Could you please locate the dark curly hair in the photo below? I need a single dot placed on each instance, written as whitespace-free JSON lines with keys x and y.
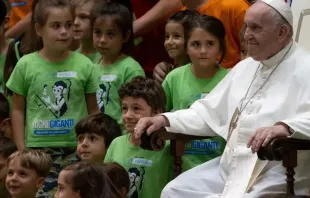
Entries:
{"x":100,"y":124}
{"x":146,"y":88}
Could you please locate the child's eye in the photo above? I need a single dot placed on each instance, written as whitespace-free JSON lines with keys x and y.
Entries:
{"x":137,"y":108}
{"x":111,"y":34}
{"x":167,"y":37}
{"x":195,"y":44}
{"x":68,"y":25}
{"x":97,"y":32}
{"x":22,"y":173}
{"x":177,"y":36}
{"x":10,"y":172}
{"x":80,"y":138}
{"x":124,"y":108}
{"x":210,"y":43}
{"x":56,"y":25}
{"x":92,"y":138}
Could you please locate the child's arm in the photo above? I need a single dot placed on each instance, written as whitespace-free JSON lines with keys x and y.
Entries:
{"x":160,"y":12}
{"x":18,"y":120}
{"x":19,"y":27}
{"x":91,"y":103}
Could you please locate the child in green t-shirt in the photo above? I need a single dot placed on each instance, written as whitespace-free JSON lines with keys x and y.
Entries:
{"x":174,"y":43}
{"x":94,"y":134}
{"x":205,"y":43}
{"x":4,"y":42}
{"x":53,"y":88}
{"x":6,"y":149}
{"x":26,"y":172}
{"x":83,"y":29}
{"x":113,"y":38}
{"x":149,"y":171}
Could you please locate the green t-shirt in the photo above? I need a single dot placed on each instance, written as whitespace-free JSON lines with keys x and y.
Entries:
{"x":182,"y":89}
{"x":55,"y":97}
{"x":94,"y":57}
{"x":2,"y":61}
{"x":112,"y":77}
{"x":149,"y":171}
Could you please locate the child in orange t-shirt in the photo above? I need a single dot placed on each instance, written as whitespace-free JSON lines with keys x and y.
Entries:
{"x":231,"y":13}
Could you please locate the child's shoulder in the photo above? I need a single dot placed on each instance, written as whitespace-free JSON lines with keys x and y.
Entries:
{"x":29,"y":57}
{"x":119,"y":140}
{"x":80,"y":58}
{"x":178,"y":71}
{"x":128,"y":61}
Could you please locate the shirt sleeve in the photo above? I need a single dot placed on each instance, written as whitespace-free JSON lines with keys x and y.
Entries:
{"x":133,"y":74}
{"x":17,"y":82}
{"x":92,"y":82}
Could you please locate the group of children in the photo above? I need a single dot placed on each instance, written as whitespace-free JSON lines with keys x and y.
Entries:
{"x":83,"y":105}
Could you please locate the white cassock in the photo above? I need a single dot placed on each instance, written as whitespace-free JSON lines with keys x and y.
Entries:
{"x":239,"y":173}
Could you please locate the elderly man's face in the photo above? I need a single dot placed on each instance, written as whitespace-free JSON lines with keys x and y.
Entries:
{"x":262,"y":34}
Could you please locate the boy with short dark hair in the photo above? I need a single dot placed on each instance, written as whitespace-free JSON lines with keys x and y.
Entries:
{"x":6,"y":149}
{"x":95,"y":133}
{"x":148,"y":171}
{"x":26,"y":173}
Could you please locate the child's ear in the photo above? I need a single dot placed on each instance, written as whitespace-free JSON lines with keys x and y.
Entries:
{"x":38,"y":29}
{"x":5,"y":126}
{"x":40,"y":182}
{"x":6,"y":23}
{"x":127,"y":36}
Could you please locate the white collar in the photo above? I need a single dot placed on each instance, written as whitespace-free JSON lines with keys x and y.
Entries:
{"x":279,"y":57}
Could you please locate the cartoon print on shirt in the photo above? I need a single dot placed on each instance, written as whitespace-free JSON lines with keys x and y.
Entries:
{"x":103,"y":93}
{"x":135,"y":176}
{"x":59,"y":89}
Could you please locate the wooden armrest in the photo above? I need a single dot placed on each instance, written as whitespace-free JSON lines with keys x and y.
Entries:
{"x":285,"y":150}
{"x":156,"y":141}
{"x":278,"y":147}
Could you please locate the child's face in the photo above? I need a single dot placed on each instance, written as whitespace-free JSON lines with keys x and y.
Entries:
{"x":203,"y":48}
{"x":82,"y":24}
{"x":107,"y":37}
{"x":57,"y":33}
{"x":132,"y":110}
{"x":91,"y":147}
{"x":64,"y":189}
{"x":22,"y":182}
{"x":174,"y":40}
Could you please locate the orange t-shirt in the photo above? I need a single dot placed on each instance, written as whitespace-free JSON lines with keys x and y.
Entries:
{"x":20,"y":8}
{"x":231,"y":13}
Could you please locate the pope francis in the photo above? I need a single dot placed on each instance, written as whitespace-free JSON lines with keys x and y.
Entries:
{"x":263,"y":97}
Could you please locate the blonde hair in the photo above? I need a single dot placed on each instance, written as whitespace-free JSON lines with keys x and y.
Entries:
{"x":33,"y":159}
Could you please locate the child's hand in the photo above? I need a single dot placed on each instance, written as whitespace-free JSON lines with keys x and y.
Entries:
{"x":160,"y":71}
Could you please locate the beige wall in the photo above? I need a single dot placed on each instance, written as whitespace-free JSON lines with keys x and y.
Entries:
{"x":297,"y":7}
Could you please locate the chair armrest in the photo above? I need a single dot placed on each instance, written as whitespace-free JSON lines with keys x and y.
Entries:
{"x":156,"y":141}
{"x":278,"y":147}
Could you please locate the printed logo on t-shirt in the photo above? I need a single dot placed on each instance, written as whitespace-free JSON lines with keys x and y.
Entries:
{"x":194,"y":98}
{"x":54,"y":97}
{"x":104,"y":92}
{"x":136,"y":177}
{"x":201,"y":147}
